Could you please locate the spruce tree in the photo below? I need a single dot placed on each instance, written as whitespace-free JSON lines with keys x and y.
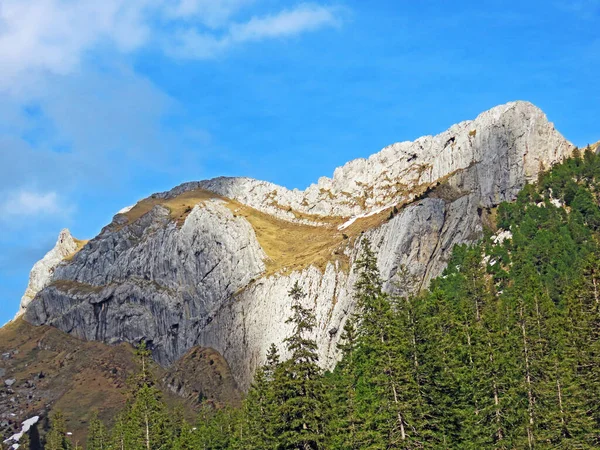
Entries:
{"x":187,"y":439}
{"x":344,"y":419}
{"x":119,"y":433}
{"x":386,"y":388}
{"x":298,"y":384}
{"x":97,"y":438}
{"x":145,"y":422}
{"x":260,"y":407}
{"x":56,"y":439}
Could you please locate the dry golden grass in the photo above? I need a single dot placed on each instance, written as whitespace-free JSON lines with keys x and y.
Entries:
{"x":289,"y":246}
{"x":80,"y":244}
{"x":292,"y":246}
{"x":179,"y":206}
{"x":70,"y":286}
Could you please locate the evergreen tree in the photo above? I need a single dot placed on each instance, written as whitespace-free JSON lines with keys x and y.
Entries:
{"x":56,"y":439}
{"x":260,"y":406}
{"x":298,"y":384}
{"x":187,"y":438}
{"x":342,"y":383}
{"x":118,"y":437}
{"x":218,"y":429}
{"x":386,"y":388}
{"x":146,"y":423}
{"x":97,"y":438}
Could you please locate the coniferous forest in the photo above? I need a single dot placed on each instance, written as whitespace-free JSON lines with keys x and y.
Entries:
{"x":501,"y":352}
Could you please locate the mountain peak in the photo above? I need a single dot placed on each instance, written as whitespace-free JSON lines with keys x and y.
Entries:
{"x":210,"y":263}
{"x":42,"y":271}
{"x":402,"y":171}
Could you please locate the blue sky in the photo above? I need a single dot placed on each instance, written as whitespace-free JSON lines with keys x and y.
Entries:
{"x":104,"y":103}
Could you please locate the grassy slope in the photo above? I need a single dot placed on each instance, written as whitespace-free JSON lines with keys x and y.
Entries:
{"x":80,"y":377}
{"x":288,"y":245}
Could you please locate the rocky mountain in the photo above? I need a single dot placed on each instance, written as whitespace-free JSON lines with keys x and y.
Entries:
{"x":41,"y":273}
{"x":210,"y":263}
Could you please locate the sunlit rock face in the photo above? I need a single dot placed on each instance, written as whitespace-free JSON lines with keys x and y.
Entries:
{"x":41,"y":273}
{"x":204,"y":278}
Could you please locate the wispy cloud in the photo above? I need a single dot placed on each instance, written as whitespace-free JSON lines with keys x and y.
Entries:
{"x":74,"y":111}
{"x":304,"y":18}
{"x":53,"y":36}
{"x":81,"y":123}
{"x":193,"y":43}
{"x":33,"y":204}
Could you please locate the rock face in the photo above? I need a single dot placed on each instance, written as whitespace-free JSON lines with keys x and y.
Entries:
{"x":42,"y":271}
{"x":205,"y":276}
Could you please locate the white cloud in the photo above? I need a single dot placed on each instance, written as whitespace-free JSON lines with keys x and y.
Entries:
{"x":304,"y":18}
{"x":53,"y":36}
{"x":26,"y":203}
{"x":194,"y":44}
{"x":73,"y":112}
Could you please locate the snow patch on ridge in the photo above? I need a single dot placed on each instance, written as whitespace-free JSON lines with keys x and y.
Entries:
{"x":353,"y":219}
{"x":126,"y":209}
{"x":25,"y":426}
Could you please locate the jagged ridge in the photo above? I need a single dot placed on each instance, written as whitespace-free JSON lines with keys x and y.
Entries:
{"x":180,"y":276}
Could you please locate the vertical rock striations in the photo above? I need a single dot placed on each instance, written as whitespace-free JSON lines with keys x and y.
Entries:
{"x":192,"y":266}
{"x":42,"y":271}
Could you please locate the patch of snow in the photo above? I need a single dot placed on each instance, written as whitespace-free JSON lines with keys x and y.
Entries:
{"x":556,"y":202}
{"x":362,"y":216}
{"x":126,"y":209}
{"x":25,"y":426}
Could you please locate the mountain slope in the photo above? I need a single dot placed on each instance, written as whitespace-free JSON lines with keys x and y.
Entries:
{"x":502,"y":351}
{"x":52,"y":370}
{"x":210,"y":263}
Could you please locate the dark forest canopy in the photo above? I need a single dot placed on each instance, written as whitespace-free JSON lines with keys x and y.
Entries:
{"x":502,"y":351}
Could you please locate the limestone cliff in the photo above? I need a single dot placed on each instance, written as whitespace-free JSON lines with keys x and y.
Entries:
{"x":42,"y":271}
{"x":210,"y":263}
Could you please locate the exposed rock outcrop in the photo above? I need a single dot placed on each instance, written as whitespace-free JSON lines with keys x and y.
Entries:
{"x":42,"y":271}
{"x":202,"y":274}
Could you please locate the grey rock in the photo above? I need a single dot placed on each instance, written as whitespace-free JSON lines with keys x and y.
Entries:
{"x":204,"y":283}
{"x":152,"y":280}
{"x":42,"y":271}
{"x":9,"y":382}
